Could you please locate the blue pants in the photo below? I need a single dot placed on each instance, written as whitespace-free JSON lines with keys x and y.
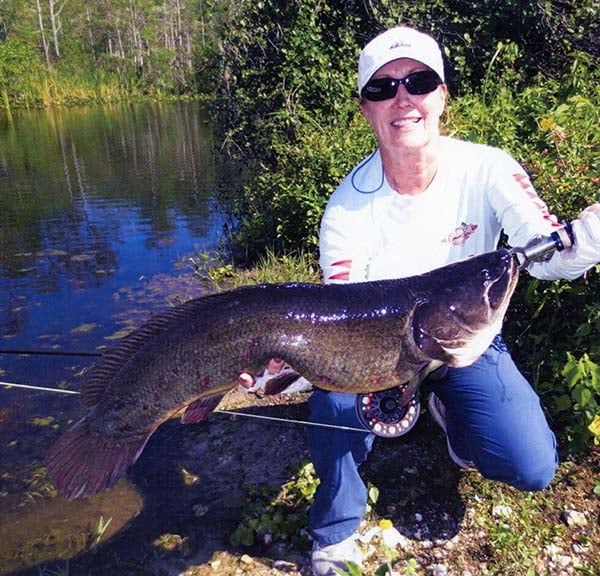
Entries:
{"x":493,"y":418}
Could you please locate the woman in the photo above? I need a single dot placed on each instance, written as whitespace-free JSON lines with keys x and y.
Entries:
{"x":419,"y":202}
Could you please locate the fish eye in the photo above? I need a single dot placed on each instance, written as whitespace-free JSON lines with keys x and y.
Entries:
{"x":485,"y":275}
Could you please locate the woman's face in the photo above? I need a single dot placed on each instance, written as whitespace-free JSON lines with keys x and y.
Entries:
{"x":406,"y":121}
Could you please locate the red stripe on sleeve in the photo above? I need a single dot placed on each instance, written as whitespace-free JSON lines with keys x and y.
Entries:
{"x":345,"y":263}
{"x":340,"y":276}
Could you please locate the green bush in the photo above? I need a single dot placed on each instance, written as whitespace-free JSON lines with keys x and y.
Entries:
{"x":16,"y":60}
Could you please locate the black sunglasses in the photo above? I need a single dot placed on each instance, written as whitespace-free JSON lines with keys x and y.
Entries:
{"x":421,"y":82}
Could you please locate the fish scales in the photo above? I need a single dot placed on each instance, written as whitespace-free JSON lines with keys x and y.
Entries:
{"x":178,"y":364}
{"x":348,"y":338}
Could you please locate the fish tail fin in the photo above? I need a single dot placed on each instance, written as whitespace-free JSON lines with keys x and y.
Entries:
{"x":81,"y":463}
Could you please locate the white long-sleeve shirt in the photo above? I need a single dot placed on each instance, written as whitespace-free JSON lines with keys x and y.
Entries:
{"x":370,"y":232}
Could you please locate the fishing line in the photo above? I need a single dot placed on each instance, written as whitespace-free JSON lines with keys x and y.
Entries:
{"x":286,"y":420}
{"x":47,"y":352}
{"x":230,"y":412}
{"x":60,"y":390}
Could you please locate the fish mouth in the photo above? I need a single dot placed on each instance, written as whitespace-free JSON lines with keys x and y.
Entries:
{"x":489,"y":294}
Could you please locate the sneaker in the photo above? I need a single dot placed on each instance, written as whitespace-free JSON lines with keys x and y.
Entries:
{"x":438,"y":411}
{"x":331,"y":560}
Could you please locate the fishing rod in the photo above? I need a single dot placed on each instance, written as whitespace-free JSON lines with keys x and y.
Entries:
{"x":228,"y":412}
{"x":43,"y":388}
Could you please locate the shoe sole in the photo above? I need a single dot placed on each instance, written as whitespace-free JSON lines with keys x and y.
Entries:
{"x":440,"y":420}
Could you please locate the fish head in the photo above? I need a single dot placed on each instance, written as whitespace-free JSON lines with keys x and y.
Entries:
{"x":458,"y":319}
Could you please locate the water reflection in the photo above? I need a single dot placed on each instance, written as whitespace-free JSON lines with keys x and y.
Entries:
{"x":99,"y":207}
{"x":94,"y":199}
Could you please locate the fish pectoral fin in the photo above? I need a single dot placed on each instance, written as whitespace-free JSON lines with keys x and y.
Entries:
{"x":199,"y":409}
{"x":281,"y":382}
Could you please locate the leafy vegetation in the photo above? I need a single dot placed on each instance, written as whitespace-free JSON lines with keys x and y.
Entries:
{"x":290,"y":107}
{"x":273,"y":514}
{"x":72,"y":52}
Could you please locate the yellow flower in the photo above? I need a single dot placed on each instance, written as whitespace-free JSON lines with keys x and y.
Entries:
{"x":594,"y":427}
{"x":385,"y":524}
{"x":547,"y":124}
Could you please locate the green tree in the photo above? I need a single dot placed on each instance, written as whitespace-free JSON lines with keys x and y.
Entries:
{"x":146,"y":47}
{"x":16,"y":57}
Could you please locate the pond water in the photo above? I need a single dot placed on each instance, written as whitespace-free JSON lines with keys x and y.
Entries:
{"x":93,"y":202}
{"x":101,"y":209}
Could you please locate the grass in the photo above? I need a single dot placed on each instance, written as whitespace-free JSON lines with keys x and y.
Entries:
{"x":65,"y":86}
{"x":521,"y":528}
{"x":271,"y":268}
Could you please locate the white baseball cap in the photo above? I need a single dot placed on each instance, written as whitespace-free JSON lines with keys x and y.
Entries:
{"x":395,"y":43}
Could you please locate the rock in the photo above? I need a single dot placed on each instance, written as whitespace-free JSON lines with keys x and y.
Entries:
{"x":563,"y":561}
{"x":284,"y":566}
{"x":574,"y":519}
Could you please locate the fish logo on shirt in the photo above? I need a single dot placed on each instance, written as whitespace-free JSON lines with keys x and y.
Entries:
{"x":460,"y":235}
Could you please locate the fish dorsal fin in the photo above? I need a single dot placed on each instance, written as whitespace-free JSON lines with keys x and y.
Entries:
{"x":116,"y":357}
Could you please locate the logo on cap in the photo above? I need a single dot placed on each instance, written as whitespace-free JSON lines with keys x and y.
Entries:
{"x":400,"y":45}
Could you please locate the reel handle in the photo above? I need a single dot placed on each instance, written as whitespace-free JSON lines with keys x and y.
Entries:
{"x":540,"y":248}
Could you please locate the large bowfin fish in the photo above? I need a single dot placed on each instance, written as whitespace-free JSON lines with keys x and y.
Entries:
{"x":354,"y":338}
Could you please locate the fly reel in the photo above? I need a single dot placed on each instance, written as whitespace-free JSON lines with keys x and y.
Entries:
{"x":386,"y":413}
